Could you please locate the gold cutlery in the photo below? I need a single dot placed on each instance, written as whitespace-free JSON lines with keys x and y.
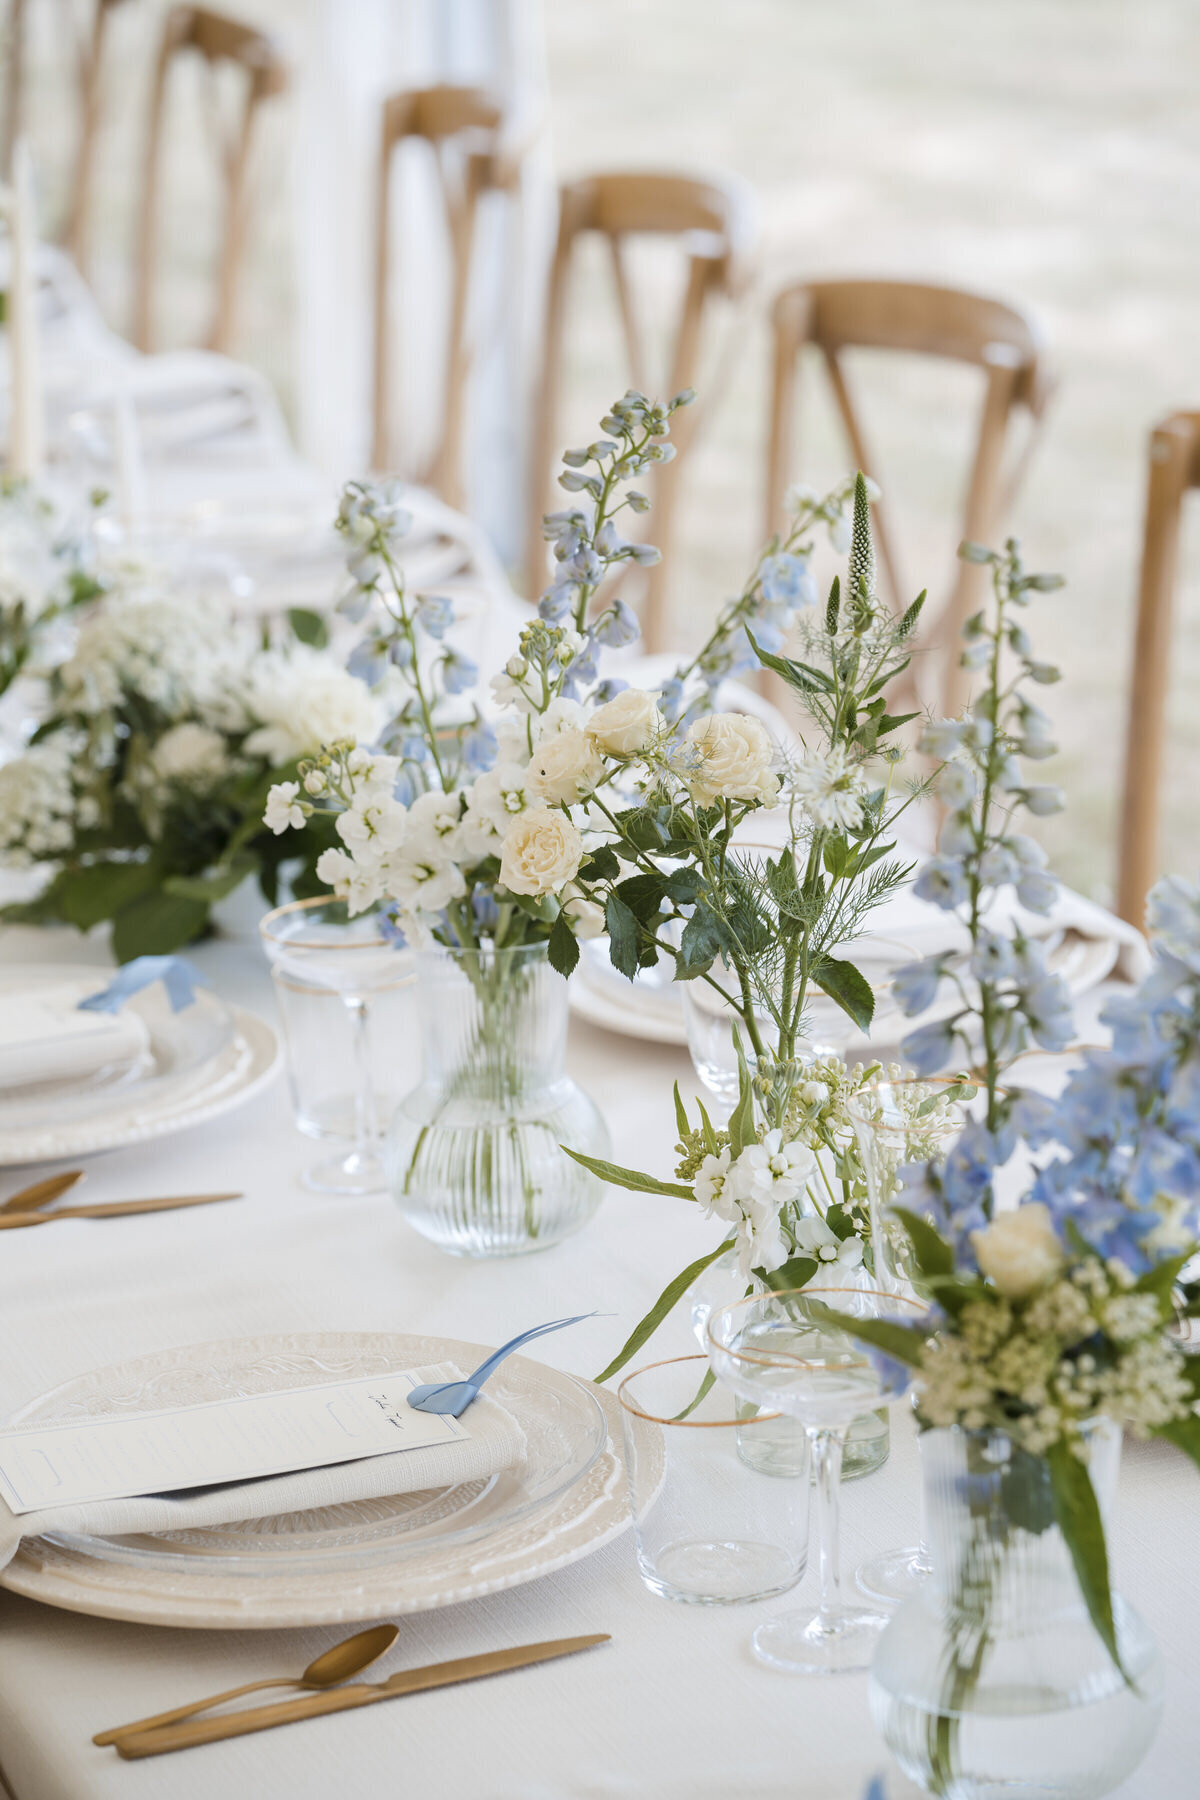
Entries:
{"x":350,"y":1657}
{"x":42,"y":1192}
{"x":408,"y":1681}
{"x":112,"y":1209}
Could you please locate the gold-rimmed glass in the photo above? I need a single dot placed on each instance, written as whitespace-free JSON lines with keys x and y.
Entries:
{"x":355,"y":956}
{"x":711,"y":1526}
{"x":797,"y":1351}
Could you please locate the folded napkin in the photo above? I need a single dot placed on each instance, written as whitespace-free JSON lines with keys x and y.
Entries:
{"x":496,"y":1442}
{"x":45,"y":1037}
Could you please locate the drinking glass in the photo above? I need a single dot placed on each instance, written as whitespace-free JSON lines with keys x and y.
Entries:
{"x":319,"y":942}
{"x":319,"y":1052}
{"x":712,"y":1527}
{"x":895,"y":1124}
{"x":796,"y":1351}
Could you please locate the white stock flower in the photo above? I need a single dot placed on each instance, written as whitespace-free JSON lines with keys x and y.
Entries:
{"x":772,"y":1170}
{"x":814,"y":1238}
{"x":626,"y":725}
{"x":710,"y":1186}
{"x":284,"y":813}
{"x":358,"y":885}
{"x":560,"y":715}
{"x":830,"y":788}
{"x":542,"y":851}
{"x":301,"y":700}
{"x":432,"y":826}
{"x":494,"y":800}
{"x":566,"y":767}
{"x":423,"y":879}
{"x":1020,"y":1250}
{"x":195,"y":755}
{"x":730,"y":759}
{"x":374,"y":825}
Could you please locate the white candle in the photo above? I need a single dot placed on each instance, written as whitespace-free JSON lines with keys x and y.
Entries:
{"x":26,"y":424}
{"x":129,"y":468}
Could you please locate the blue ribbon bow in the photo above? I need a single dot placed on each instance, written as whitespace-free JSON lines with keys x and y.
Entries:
{"x":454,"y":1397}
{"x":175,"y":972}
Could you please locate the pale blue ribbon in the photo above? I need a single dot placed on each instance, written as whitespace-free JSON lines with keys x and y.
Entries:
{"x":454,"y":1397}
{"x":175,"y":972}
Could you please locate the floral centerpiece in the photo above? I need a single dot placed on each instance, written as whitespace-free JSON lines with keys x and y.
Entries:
{"x":46,"y":571}
{"x":164,"y":723}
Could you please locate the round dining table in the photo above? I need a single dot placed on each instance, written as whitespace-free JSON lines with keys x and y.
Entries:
{"x":675,"y":1707}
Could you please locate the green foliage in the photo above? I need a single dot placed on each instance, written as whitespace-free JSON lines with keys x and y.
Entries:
{"x":1078,"y":1513}
{"x":670,"y":1296}
{"x":629,"y":1178}
{"x":308,"y":627}
{"x":562,"y":948}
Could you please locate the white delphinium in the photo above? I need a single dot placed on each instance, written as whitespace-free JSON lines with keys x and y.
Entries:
{"x":300,"y":699}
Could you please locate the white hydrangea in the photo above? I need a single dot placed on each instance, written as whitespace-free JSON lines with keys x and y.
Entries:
{"x":186,"y":660}
{"x":39,"y":811}
{"x":300,"y":699}
{"x":194,"y":755}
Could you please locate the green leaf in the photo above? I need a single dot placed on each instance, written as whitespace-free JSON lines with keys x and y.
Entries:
{"x":602,"y":865}
{"x":308,"y":626}
{"x":642,"y":894}
{"x":629,"y":1178}
{"x":673,"y":1292}
{"x":934,"y":1255}
{"x":1161,"y":1279}
{"x":706,"y":1125}
{"x":622,"y":937}
{"x":904,"y":1342}
{"x":848,"y":986}
{"x":741,"y":1121}
{"x":683,"y":886}
{"x":97,"y":892}
{"x":834,"y":855}
{"x":1078,"y":1513}
{"x":801,"y":676}
{"x":706,"y":1386}
{"x":797,"y":1272}
{"x":156,"y":924}
{"x":210,"y":887}
{"x":562,"y":949}
{"x":681,"y":1119}
{"x":698,"y":945}
{"x":1183,"y":1433}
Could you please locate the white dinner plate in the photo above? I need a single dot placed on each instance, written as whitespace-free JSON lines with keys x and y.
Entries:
{"x":357,"y":1560}
{"x":241,"y":1070}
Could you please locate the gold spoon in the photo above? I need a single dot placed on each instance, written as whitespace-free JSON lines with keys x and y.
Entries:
{"x":29,"y":1199}
{"x":331,"y":1667}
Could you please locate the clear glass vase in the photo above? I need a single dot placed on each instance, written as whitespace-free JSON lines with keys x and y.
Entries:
{"x":474,"y":1152}
{"x":992,"y":1681}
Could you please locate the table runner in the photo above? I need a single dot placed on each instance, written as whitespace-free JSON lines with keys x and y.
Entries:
{"x":674,"y":1709}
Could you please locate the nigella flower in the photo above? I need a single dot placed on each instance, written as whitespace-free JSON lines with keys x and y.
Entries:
{"x":789,"y":579}
{"x":487,"y":912}
{"x":942,"y":882}
{"x":915,"y":985}
{"x":407,"y":785}
{"x":929,"y":1048}
{"x":435,"y":614}
{"x":459,"y":673}
{"x":479,"y":747}
{"x":617,"y":627}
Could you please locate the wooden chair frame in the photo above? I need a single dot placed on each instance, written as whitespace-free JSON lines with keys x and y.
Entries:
{"x":90,"y":63}
{"x":834,"y":316}
{"x":217,"y":39}
{"x":1174,"y":467}
{"x":713,"y":220}
{"x":476,"y":150}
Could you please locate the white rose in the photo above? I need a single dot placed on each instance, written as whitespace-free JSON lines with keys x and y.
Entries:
{"x":566,"y":767}
{"x":1020,"y":1250}
{"x":542,"y":851}
{"x":627,"y":724}
{"x":732,"y":760}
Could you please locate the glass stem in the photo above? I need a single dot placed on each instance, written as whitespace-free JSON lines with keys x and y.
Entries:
{"x":827,"y":1449}
{"x":364,"y":1090}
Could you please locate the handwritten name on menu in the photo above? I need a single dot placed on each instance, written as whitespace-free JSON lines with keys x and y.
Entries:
{"x":117,"y":1457}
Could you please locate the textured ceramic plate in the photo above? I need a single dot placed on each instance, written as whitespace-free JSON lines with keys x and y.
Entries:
{"x":363,"y":1560}
{"x":241,"y":1070}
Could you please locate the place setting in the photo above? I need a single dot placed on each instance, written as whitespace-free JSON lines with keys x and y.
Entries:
{"x":627,"y":1178}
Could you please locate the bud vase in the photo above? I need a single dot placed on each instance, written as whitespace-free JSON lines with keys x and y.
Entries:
{"x":993,"y":1680}
{"x":474,"y":1154}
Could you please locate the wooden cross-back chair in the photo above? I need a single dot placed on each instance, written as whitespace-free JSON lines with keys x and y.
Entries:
{"x":218,"y":40}
{"x":1174,"y":468}
{"x":89,"y":61}
{"x":834,"y":316}
{"x":475,"y":150}
{"x":711,"y":219}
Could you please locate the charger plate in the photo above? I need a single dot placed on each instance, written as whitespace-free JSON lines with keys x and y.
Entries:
{"x":362,"y":1560}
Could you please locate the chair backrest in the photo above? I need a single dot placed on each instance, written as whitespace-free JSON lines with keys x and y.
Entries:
{"x":89,"y":64}
{"x":835,"y":316}
{"x":1174,"y":467}
{"x":218,"y":40}
{"x":711,"y":219}
{"x":474,"y":150}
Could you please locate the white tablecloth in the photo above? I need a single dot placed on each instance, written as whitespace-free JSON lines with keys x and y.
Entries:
{"x":674,"y":1709}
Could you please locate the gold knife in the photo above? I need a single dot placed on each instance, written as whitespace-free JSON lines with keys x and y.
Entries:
{"x":408,"y":1681}
{"x":42,"y":1192}
{"x":111,"y":1209}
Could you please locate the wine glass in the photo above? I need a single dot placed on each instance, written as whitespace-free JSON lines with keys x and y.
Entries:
{"x":796,"y":1351}
{"x":899,"y":1122}
{"x":352,"y":955}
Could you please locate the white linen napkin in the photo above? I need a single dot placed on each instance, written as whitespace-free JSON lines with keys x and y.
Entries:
{"x":496,"y":1442}
{"x":45,"y":1037}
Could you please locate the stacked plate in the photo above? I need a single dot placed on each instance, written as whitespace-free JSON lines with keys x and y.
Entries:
{"x":361,"y":1560}
{"x":116,"y":1079}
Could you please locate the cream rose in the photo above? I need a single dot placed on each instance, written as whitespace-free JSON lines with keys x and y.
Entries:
{"x":565,"y":768}
{"x":732,"y":760}
{"x":542,"y":851}
{"x":627,"y":724}
{"x":1020,"y":1250}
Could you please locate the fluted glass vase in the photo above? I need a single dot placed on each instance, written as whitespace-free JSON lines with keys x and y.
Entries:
{"x":993,"y":1681}
{"x":474,"y":1152}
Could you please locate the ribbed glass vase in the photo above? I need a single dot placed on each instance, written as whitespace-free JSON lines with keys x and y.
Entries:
{"x":993,"y":1681}
{"x":474,"y":1155}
